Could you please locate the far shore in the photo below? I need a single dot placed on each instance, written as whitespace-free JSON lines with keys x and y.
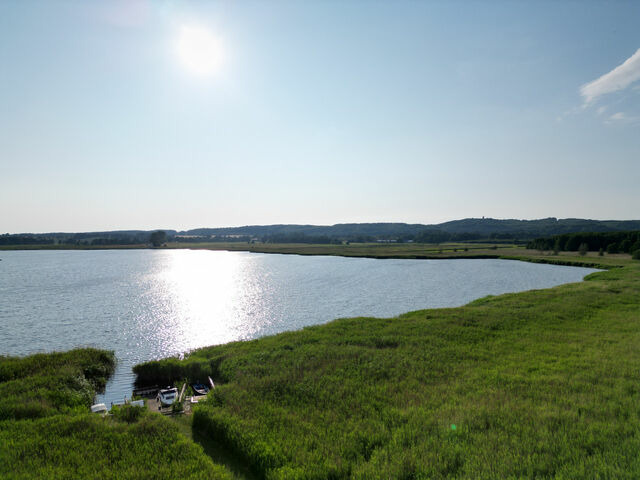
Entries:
{"x":444,"y":251}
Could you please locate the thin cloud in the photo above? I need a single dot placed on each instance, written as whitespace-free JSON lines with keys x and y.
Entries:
{"x":617,"y":79}
{"x":622,"y":117}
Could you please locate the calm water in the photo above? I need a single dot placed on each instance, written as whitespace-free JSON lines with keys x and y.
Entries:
{"x":149,"y":304}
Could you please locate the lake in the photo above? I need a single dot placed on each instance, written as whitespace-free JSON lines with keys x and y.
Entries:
{"x":149,"y":304}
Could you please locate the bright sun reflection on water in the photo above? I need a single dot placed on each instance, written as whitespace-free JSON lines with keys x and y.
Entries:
{"x":208,"y":295}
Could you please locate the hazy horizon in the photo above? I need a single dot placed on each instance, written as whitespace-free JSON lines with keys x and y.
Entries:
{"x":141,"y":115}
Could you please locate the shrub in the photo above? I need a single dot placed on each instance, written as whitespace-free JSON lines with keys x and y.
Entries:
{"x":176,"y":407}
{"x":636,"y":255}
{"x":583,"y":248}
{"x":127,"y":413}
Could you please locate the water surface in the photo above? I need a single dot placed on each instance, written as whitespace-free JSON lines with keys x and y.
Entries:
{"x":149,"y":304}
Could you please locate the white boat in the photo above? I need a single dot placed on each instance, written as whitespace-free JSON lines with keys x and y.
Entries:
{"x":99,"y":408}
{"x":167,"y":396}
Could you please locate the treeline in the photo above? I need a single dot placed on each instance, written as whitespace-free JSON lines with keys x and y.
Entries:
{"x":78,"y":239}
{"x":8,"y":239}
{"x":427,"y":236}
{"x":440,"y":236}
{"x":300,"y":238}
{"x":210,"y":238}
{"x":128,"y":240}
{"x":611,"y":242}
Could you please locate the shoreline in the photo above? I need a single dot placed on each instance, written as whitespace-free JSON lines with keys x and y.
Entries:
{"x":377,"y":251}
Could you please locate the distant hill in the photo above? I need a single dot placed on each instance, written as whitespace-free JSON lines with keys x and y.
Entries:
{"x":467,"y":229}
{"x":481,"y":227}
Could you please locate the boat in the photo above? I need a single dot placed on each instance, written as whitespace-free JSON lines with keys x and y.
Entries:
{"x":167,"y":396}
{"x":200,"y":388}
{"x":99,"y":408}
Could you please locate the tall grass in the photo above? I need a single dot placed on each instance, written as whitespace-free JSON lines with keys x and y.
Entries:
{"x":92,"y":447}
{"x":47,"y":384}
{"x":47,"y":432}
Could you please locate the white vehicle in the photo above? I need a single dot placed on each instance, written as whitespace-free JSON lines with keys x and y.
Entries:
{"x":166,"y":396}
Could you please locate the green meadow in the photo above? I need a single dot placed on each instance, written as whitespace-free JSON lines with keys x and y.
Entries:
{"x":540,"y":384}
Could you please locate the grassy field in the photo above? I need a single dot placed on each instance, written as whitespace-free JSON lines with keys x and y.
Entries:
{"x":540,"y":384}
{"x":421,"y":251}
{"x":373,"y":250}
{"x":47,"y":432}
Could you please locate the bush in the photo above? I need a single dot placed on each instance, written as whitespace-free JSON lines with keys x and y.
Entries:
{"x":582,"y":250}
{"x":171,"y":370}
{"x":176,"y":407}
{"x":636,"y":255}
{"x":127,"y":413}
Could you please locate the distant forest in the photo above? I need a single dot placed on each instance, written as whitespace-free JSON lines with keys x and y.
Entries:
{"x":467,"y":230}
{"x":610,"y":242}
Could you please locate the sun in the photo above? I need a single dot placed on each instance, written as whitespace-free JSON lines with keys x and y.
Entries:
{"x":199,"y":51}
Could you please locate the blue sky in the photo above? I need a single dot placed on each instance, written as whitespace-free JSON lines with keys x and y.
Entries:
{"x":315,"y":112}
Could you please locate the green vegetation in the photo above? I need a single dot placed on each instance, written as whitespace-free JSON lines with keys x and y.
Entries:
{"x":537,"y":384}
{"x":369,"y":250}
{"x":47,"y":432}
{"x":612,"y":242}
{"x":92,"y":447}
{"x":158,"y":238}
{"x":467,"y":230}
{"x":48,"y":384}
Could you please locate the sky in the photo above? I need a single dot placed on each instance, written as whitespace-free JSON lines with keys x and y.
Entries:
{"x":143,"y":115}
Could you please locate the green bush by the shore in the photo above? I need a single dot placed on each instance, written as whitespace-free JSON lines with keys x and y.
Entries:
{"x":47,"y":384}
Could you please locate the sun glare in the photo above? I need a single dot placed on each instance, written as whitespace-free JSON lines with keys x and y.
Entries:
{"x":199,"y":50}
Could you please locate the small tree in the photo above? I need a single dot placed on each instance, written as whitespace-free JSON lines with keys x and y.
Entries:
{"x":582,"y":250}
{"x":601,"y":252}
{"x":556,"y":246}
{"x":158,"y":238}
